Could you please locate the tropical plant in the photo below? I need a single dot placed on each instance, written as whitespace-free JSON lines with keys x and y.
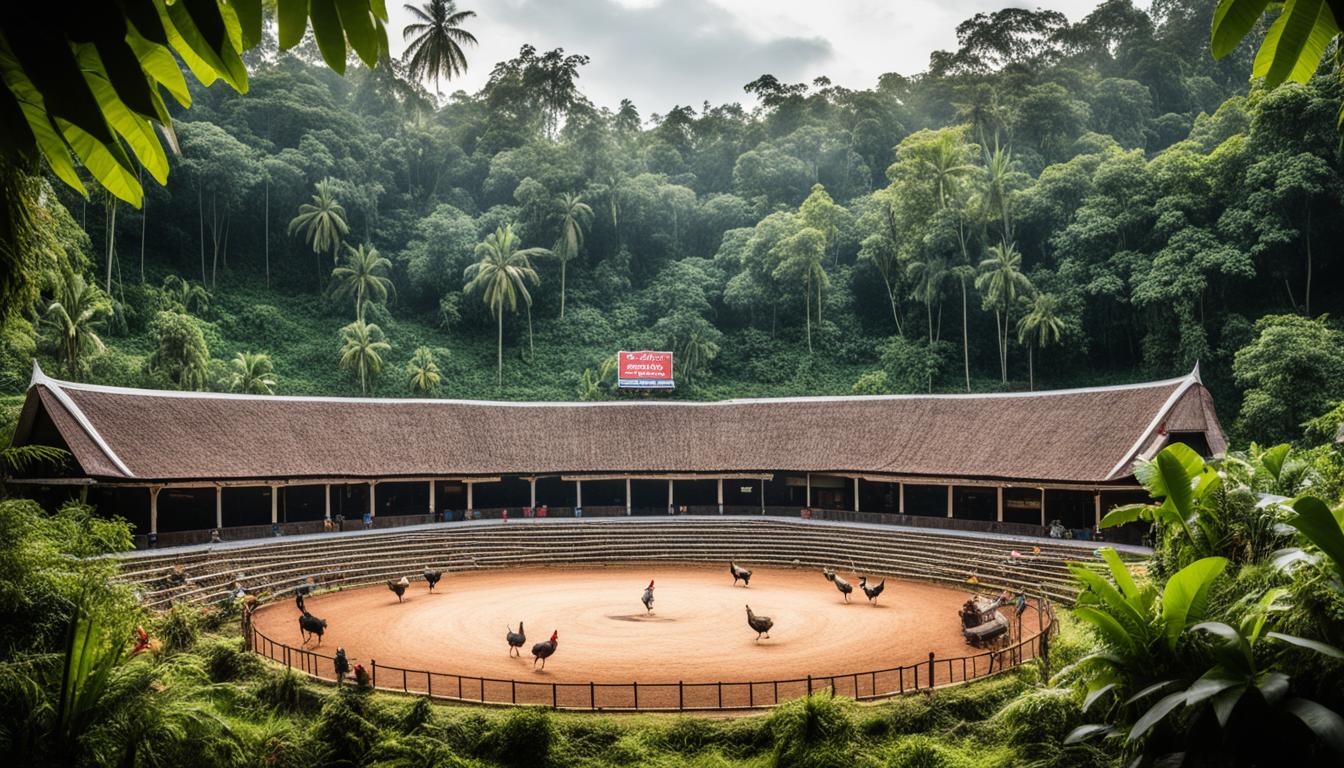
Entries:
{"x":180,"y":352}
{"x":362,"y":349}
{"x":1040,"y":327}
{"x":501,"y":275}
{"x":436,"y":39}
{"x":800,"y":257}
{"x":1292,"y":49}
{"x":1002,"y":282}
{"x":593,"y":385}
{"x":251,"y":372}
{"x":322,"y":221}
{"x":945,"y":165}
{"x":1180,"y":482}
{"x":423,"y":371}
{"x":1322,"y":531}
{"x":927,"y":277}
{"x":575,"y":217}
{"x":1274,"y":469}
{"x":189,"y":296}
{"x":73,"y":318}
{"x":362,"y":277}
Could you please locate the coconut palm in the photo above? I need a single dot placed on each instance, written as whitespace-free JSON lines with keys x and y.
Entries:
{"x":436,"y":38}
{"x":577,"y":215}
{"x":423,"y":371}
{"x":502,"y":275}
{"x":322,"y":221}
{"x":945,"y":165}
{"x":251,"y":372}
{"x":928,"y":276}
{"x":362,"y":351}
{"x":1002,"y":282}
{"x":359,"y":277}
{"x":1041,"y":327}
{"x":74,"y":317}
{"x":191,"y":297}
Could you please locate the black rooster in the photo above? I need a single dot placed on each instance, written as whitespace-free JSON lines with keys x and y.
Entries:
{"x":740,"y":573}
{"x":432,"y":577}
{"x":544,"y":650}
{"x":761,"y":624}
{"x":647,"y":599}
{"x":871,"y":592}
{"x":515,"y":639}
{"x":298,"y":602}
{"x":844,"y":586}
{"x":310,"y":625}
{"x":341,"y":664}
{"x":399,"y":587}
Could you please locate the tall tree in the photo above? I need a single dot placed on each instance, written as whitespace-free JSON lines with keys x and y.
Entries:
{"x":800,"y":258}
{"x":74,"y":317}
{"x":251,"y":372}
{"x":423,"y":371}
{"x":1040,"y":327}
{"x":436,"y":39}
{"x":362,"y":349}
{"x":1001,"y":282}
{"x":322,"y":221}
{"x":362,"y":277}
{"x":575,"y":217}
{"x":501,"y":275}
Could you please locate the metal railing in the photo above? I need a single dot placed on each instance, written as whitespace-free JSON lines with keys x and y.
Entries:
{"x":679,"y":696}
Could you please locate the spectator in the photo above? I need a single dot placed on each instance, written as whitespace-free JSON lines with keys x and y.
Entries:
{"x":506,"y":514}
{"x":214,"y":536}
{"x":368,"y":520}
{"x":340,"y":521}
{"x":545,"y":510}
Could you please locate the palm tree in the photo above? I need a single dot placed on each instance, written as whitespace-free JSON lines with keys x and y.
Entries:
{"x":436,"y":50}
{"x":251,"y":372}
{"x":577,"y":215}
{"x":186,"y":294}
{"x":322,"y":221}
{"x":74,"y":317}
{"x":423,"y":371}
{"x":998,"y":177}
{"x":1041,"y":326}
{"x":359,"y":278}
{"x":945,"y":166}
{"x":1002,"y":282}
{"x":362,"y":350}
{"x":928,"y":276}
{"x":801,"y":255}
{"x":502,"y":275}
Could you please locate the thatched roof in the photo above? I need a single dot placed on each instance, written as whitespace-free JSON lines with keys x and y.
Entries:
{"x":1072,"y":436}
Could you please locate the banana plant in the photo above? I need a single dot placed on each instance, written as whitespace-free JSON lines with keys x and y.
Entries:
{"x":1180,"y":481}
{"x":1323,"y":530}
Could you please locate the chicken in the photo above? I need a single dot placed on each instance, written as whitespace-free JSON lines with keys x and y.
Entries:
{"x":432,"y":577}
{"x":871,"y":592}
{"x":305,"y":587}
{"x":515,"y":639}
{"x":399,"y":587}
{"x":310,"y":625}
{"x":298,"y":602}
{"x":648,"y":597}
{"x":844,"y":586}
{"x":341,"y":665}
{"x":761,"y":624}
{"x":544,"y":650}
{"x":740,"y":573}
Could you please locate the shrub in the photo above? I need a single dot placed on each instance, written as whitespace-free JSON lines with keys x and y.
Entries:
{"x":1045,"y":715}
{"x":523,"y":739}
{"x":344,"y":728}
{"x":923,"y":752}
{"x":227,"y":660}
{"x":908,"y":714}
{"x":417,"y":715}
{"x":813,"y":732}
{"x":282,"y":690}
{"x":179,"y":628}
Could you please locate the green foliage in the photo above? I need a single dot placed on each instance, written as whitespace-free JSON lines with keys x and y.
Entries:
{"x":251,"y":372}
{"x":362,"y":351}
{"x":814,"y":731}
{"x":423,"y":371}
{"x":1293,"y":371}
{"x":180,"y":356}
{"x":524,"y":738}
{"x":72,"y":321}
{"x":179,"y":628}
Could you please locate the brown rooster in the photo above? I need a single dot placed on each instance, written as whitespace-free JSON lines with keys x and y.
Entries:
{"x":544,"y":650}
{"x":432,"y":577}
{"x":399,"y":587}
{"x":739,"y":573}
{"x":844,"y":586}
{"x":515,"y":639}
{"x":761,"y":624}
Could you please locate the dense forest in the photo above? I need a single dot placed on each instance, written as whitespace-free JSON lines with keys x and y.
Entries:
{"x":1053,"y":203}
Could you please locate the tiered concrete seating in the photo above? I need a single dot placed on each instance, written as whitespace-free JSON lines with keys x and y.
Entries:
{"x":348,"y":559}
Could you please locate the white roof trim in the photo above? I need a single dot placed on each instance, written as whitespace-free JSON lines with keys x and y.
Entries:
{"x":600,"y":404}
{"x":55,"y":387}
{"x":1189,"y":381}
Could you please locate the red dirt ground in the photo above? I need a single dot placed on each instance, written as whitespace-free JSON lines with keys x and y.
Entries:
{"x":697,"y":633}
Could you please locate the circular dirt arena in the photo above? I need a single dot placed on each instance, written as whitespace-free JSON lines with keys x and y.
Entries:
{"x":697,"y":633}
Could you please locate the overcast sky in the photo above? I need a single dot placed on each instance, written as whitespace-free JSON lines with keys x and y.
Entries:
{"x":660,"y":53}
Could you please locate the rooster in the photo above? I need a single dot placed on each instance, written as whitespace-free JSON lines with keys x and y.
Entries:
{"x":740,"y":573}
{"x":648,"y":597}
{"x":761,"y":624}
{"x":844,"y":586}
{"x":544,"y":650}
{"x":399,"y":587}
{"x":515,"y":639}
{"x":871,"y":592}
{"x":341,"y":665}
{"x":432,"y":577}
{"x":298,"y":602}
{"x":310,"y":625}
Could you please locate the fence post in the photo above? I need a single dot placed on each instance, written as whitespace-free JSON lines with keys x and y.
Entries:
{"x":931,"y":676}
{"x":636,"y":685}
{"x":720,"y":686}
{"x":751,"y":695}
{"x":592,"y":695}
{"x":681,"y":695}
{"x":373,"y":675}
{"x":809,"y":685}
{"x":429,"y":684}
{"x":554,"y":698}
{"x":403,"y":680}
{"x":513,"y":686}
{"x":916,"y":668}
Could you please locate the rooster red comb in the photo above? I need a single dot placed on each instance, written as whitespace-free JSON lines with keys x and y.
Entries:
{"x":555,"y":635}
{"x":650,"y":583}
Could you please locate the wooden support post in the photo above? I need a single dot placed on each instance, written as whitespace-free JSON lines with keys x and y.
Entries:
{"x":627,"y":496}
{"x":275,"y":504}
{"x":900,"y":491}
{"x":669,"y":495}
{"x":471,"y":505}
{"x":808,"y":503}
{"x":1042,"y":507}
{"x":1000,"y":508}
{"x":219,"y":506}
{"x":578,"y":494}
{"x":1097,"y":499}
{"x":532,"y":492}
{"x":720,"y":495}
{"x":326,"y":497}
{"x":373,"y":495}
{"x":856,"y":494}
{"x":154,"y":509}
{"x":949,"y":499}
{"x":432,"y":492}
{"x":762,"y":497}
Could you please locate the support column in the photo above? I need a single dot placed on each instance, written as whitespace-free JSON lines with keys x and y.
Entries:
{"x":1042,"y":507}
{"x":154,"y":509}
{"x":219,"y":506}
{"x":762,"y":497}
{"x":809,"y":490}
{"x":532,"y":492}
{"x":373,"y":495}
{"x":471,"y":505}
{"x":720,"y":495}
{"x":275,"y":504}
{"x":1097,"y":499}
{"x":949,"y":500}
{"x":900,"y":492}
{"x":1000,"y":511}
{"x":578,"y":494}
{"x":432,"y":492}
{"x":856,"y":494}
{"x":627,"y":497}
{"x":669,"y":495}
{"x":326,"y":497}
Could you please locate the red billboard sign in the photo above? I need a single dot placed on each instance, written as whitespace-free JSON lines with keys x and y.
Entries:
{"x":644,"y":370}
